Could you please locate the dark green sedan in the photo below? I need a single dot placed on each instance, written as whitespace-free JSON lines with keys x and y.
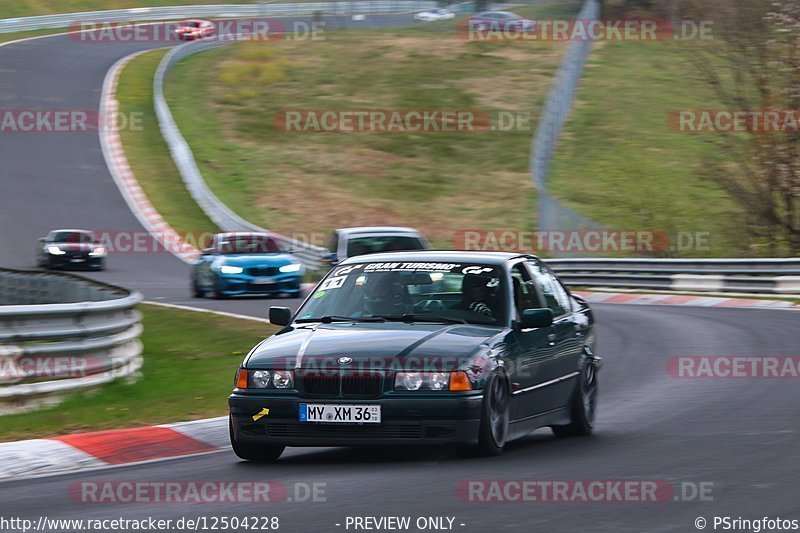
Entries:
{"x":460,"y":348}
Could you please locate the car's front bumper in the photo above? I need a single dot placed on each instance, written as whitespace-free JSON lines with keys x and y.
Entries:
{"x":404,"y":420}
{"x":75,"y":262}
{"x":232,"y":284}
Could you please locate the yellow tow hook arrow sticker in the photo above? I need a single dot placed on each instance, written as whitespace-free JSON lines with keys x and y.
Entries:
{"x":264,"y":412}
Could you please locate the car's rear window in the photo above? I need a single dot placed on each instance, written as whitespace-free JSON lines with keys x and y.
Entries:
{"x":388,"y":243}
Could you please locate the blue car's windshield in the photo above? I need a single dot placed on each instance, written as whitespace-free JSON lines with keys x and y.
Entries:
{"x":425,"y":291}
{"x":249,"y":244}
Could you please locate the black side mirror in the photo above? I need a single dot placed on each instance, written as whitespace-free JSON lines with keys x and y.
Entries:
{"x":280,"y":316}
{"x":536,"y":318}
{"x":330,"y":259}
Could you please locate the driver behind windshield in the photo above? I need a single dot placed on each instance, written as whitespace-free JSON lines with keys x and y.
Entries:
{"x":476,"y":294}
{"x":383,"y":296}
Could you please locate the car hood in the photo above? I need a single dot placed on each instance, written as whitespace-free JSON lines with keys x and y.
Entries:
{"x":256,"y":260}
{"x":372,"y":346}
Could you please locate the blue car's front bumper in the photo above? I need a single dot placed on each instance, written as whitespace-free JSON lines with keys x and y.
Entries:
{"x":232,"y":284}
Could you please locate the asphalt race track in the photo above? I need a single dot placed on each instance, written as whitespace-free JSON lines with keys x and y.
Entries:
{"x":52,"y":180}
{"x":739,"y":435}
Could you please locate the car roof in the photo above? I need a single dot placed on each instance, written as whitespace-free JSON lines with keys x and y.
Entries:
{"x":438,"y":256}
{"x":67,"y":230}
{"x":378,"y":229}
{"x":229,"y":234}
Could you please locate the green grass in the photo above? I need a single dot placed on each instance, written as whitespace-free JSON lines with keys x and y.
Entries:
{"x":619,"y":163}
{"x":189,"y":362}
{"x":147,"y":153}
{"x":13,"y":36}
{"x":225,"y":102}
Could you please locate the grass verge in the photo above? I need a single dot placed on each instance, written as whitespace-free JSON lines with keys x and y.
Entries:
{"x":226,"y":103}
{"x":13,"y":36}
{"x":147,"y":153}
{"x":189,"y":361}
{"x":620,"y":163}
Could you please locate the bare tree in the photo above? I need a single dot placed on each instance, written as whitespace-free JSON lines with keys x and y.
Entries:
{"x":753,"y":64}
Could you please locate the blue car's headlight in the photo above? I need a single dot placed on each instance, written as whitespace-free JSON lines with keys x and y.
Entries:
{"x":227,"y":269}
{"x":294,"y":267}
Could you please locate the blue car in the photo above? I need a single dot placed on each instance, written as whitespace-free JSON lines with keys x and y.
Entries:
{"x":245,"y":263}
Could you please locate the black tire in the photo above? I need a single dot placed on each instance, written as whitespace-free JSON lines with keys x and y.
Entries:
{"x":493,"y":432}
{"x":583,"y":405}
{"x":197,"y":292}
{"x":257,"y":453}
{"x":217,"y":292}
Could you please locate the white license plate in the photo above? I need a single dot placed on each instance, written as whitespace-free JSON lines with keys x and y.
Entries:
{"x":340,"y":413}
{"x":77,"y":260}
{"x":263,"y":281}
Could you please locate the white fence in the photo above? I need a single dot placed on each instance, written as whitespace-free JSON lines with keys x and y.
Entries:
{"x":763,"y":276}
{"x":142,"y":14}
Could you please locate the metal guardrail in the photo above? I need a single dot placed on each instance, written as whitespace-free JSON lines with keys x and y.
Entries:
{"x":764,"y":276}
{"x":143,"y":14}
{"x":61,"y":333}
{"x":551,"y":213}
{"x":182,"y":155}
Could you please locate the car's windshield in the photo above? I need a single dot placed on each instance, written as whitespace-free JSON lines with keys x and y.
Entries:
{"x":248,"y":244}
{"x":412,"y":292}
{"x":382,"y":243}
{"x":82,"y":237}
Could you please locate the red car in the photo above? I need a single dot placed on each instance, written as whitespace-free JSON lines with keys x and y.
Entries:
{"x":194,"y":29}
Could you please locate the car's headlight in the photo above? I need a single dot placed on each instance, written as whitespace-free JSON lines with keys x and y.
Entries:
{"x":99,"y":251}
{"x":264,"y":379}
{"x":283,"y":379}
{"x":55,"y":250}
{"x":432,"y":381}
{"x":294,"y":267}
{"x":227,"y":269}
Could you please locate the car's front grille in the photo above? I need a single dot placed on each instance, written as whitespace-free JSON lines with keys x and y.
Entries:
{"x":321,"y":384}
{"x":361,"y":385}
{"x":74,"y":254}
{"x":377,"y":431}
{"x":263,"y":271}
{"x":347,"y":384}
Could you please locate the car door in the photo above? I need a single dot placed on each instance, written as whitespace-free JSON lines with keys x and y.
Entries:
{"x":532,"y":351}
{"x":564,"y":337}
